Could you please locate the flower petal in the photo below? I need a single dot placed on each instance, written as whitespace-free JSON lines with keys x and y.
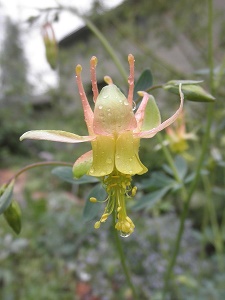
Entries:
{"x":103,"y":156}
{"x":154,"y":131}
{"x":82,"y":164}
{"x":56,"y":136}
{"x":112,"y":112}
{"x":127,"y":159}
{"x":147,"y":115}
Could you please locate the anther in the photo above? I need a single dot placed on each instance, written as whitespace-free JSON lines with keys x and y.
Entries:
{"x":104,"y":217}
{"x":93,"y":200}
{"x":134,"y":191}
{"x":94,"y":61}
{"x":108,"y":80}
{"x":78,"y":69}
{"x":141,"y":93}
{"x":97,"y":224}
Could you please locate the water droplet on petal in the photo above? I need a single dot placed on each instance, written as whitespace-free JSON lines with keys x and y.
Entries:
{"x":92,"y":171}
{"x":100,"y":107}
{"x":109,"y":161}
{"x":124,"y":234}
{"x":125,"y":103}
{"x":105,"y":96}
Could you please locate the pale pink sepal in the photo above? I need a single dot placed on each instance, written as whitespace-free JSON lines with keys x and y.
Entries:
{"x":154,"y":131}
{"x":140,"y":113}
{"x":56,"y":136}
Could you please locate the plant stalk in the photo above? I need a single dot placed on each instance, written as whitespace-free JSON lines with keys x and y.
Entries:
{"x":205,"y":144}
{"x":122,"y":256}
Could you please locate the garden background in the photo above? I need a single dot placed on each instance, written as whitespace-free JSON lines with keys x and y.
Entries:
{"x":177,"y":248}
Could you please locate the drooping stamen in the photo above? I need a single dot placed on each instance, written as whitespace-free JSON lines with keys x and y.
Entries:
{"x":131,"y":79}
{"x":108,"y":80}
{"x":93,"y":64}
{"x":88,"y":113}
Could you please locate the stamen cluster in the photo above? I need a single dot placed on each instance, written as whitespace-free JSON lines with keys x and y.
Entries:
{"x":119,"y":189}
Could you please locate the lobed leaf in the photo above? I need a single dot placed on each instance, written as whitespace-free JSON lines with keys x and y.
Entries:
{"x":143,"y":83}
{"x":66,"y":174}
{"x":91,"y":209}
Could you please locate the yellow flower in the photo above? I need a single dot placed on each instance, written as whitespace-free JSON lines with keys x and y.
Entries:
{"x":114,"y":132}
{"x":178,"y":137}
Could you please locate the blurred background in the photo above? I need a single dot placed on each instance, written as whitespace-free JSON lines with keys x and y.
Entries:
{"x":57,"y":255}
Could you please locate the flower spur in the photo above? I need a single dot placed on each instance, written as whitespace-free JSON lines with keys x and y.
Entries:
{"x":114,"y":132}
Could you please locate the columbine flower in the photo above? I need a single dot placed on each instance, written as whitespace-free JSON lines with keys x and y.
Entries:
{"x":178,"y":137}
{"x":114,"y":132}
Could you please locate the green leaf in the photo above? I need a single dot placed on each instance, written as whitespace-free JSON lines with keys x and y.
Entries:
{"x":192,"y":92}
{"x":156,"y":181}
{"x":91,"y":209}
{"x":143,"y":83}
{"x":6,"y":197}
{"x":66,"y":174}
{"x":152,"y":116}
{"x":181,"y":167}
{"x":149,"y":200}
{"x":13,"y":216}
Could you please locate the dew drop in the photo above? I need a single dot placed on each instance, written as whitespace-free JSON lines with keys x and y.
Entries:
{"x":124,"y":234}
{"x":134,"y":105}
{"x":130,"y":159}
{"x":92,"y":171}
{"x":109,"y":161}
{"x":125,"y":103}
{"x":100,"y":107}
{"x":105,"y":96}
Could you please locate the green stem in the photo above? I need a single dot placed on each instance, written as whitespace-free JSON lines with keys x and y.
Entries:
{"x":39,"y":164}
{"x":126,"y":271}
{"x":169,"y":158}
{"x":101,"y":38}
{"x":107,"y":46}
{"x":206,"y":140}
{"x":217,"y":233}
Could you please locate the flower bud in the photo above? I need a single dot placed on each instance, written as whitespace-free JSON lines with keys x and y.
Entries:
{"x":51,"y":50}
{"x":191,"y":90}
{"x":13,"y":216}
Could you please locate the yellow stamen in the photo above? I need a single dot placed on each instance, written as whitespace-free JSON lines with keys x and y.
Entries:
{"x":97,"y":225}
{"x":78,"y":69}
{"x":93,"y":200}
{"x":108,"y":80}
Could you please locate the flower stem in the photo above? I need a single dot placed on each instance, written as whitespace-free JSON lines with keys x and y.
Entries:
{"x":39,"y":164}
{"x":205,"y":144}
{"x":126,"y":271}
